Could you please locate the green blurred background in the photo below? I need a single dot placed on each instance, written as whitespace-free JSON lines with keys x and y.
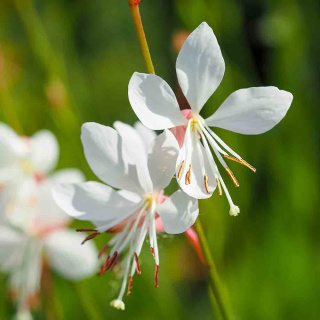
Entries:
{"x":65,"y":62}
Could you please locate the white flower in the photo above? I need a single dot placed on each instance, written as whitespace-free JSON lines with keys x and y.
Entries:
{"x":200,"y":69}
{"x":32,"y":225}
{"x":141,"y":166}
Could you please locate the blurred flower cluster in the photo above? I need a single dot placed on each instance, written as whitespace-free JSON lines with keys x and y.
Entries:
{"x":33,"y":229}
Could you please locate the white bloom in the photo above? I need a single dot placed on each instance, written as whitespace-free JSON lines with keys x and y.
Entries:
{"x":200,"y":69}
{"x":32,"y":224}
{"x":141,"y":166}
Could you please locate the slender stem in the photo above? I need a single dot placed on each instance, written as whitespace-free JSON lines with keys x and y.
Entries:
{"x":7,"y":104}
{"x":213,"y":276}
{"x":134,"y":8}
{"x":87,"y":301}
{"x":47,"y":292}
{"x":212,"y":272}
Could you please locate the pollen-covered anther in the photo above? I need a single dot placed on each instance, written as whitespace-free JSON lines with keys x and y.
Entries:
{"x":2,"y":187}
{"x":206,"y":183}
{"x":90,"y":236}
{"x":233,"y":178}
{"x":137,"y":264}
{"x":219,"y":186}
{"x":156,"y":276}
{"x":241,"y":161}
{"x":188,"y":175}
{"x":130,"y":285}
{"x":152,"y":252}
{"x":180,"y":169}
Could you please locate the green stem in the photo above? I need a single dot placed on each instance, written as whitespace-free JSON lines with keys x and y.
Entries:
{"x":213,"y":276}
{"x":7,"y":104}
{"x":212,"y":272}
{"x":87,"y":301}
{"x":134,"y":8}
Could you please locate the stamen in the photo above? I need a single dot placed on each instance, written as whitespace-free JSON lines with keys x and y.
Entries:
{"x":156,"y":276}
{"x":206,"y":183}
{"x":103,"y":250}
{"x":89,"y":237}
{"x":219,"y":186}
{"x":233,"y":178}
{"x":245,"y":163}
{"x":241,"y":161}
{"x":188,"y":175}
{"x":2,"y":187}
{"x":112,"y":260}
{"x":130,"y":285}
{"x":86,"y":230}
{"x":104,"y":267}
{"x":137,"y":264}
{"x":152,"y":252}
{"x":180,"y":169}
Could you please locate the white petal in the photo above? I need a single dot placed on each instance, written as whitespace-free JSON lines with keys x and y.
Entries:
{"x":12,"y":149}
{"x":200,"y":66}
{"x":134,"y":153}
{"x":68,"y":257}
{"x":147,"y":135}
{"x":154,"y":102}
{"x":10,"y":142}
{"x":163,"y":155}
{"x":48,"y":212}
{"x":178,"y":213}
{"x":103,"y":151}
{"x":23,"y":315}
{"x":193,"y":153}
{"x":44,"y":151}
{"x":11,"y":248}
{"x":94,"y":201}
{"x":252,"y":111}
{"x":69,"y":175}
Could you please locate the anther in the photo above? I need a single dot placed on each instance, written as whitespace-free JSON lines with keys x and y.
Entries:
{"x":219,"y":186}
{"x":180,"y":169}
{"x":104,"y":266}
{"x":233,"y":178}
{"x":241,"y":161}
{"x":137,"y":264}
{"x":206,"y":183}
{"x":156,"y":276}
{"x":112,"y":260}
{"x":86,"y":230}
{"x":130,"y":285}
{"x":188,"y":175}
{"x":89,"y":237}
{"x":152,"y":252}
{"x":103,"y":250}
{"x":2,"y":187}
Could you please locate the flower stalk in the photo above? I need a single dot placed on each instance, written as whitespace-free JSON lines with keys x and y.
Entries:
{"x":209,"y":262}
{"x":134,"y":8}
{"x":213,"y":276}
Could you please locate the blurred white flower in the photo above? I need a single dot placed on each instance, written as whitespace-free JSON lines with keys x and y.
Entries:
{"x":141,"y":165}
{"x":33,"y":227}
{"x":200,"y":69}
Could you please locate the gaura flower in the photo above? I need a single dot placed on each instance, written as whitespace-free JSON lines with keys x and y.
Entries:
{"x":33,"y":228}
{"x":200,"y":69}
{"x":24,"y":159}
{"x":141,"y":166}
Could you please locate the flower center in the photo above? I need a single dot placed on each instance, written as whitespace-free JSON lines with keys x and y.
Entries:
{"x":198,"y":159}
{"x":130,"y":240}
